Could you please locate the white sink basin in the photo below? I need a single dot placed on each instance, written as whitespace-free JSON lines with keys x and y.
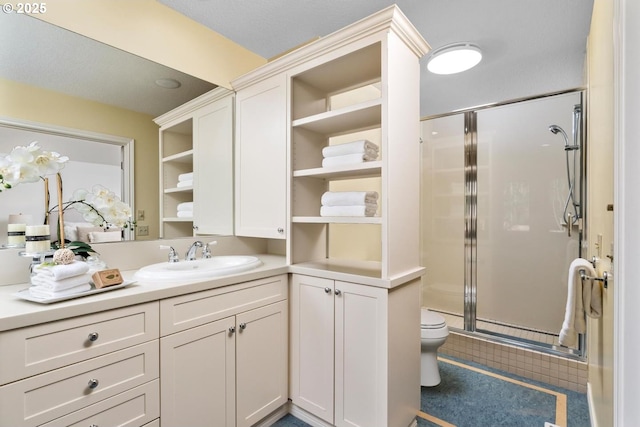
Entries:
{"x":197,"y":269}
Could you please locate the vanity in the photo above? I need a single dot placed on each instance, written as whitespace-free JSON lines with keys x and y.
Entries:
{"x":328,"y":329}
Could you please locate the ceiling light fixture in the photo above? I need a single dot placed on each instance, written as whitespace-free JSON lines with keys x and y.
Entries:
{"x":454,"y":58}
{"x":168,"y":83}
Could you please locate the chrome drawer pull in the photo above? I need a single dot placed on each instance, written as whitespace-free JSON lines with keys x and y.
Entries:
{"x":232,"y":329}
{"x":93,"y":336}
{"x":93,"y":383}
{"x":243,"y":326}
{"x":338,"y":292}
{"x":327,"y":290}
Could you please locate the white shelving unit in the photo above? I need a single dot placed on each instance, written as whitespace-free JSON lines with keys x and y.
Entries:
{"x":198,"y":137}
{"x":364,"y":81}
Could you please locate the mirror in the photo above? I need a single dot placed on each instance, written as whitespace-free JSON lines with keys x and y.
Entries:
{"x":54,"y":78}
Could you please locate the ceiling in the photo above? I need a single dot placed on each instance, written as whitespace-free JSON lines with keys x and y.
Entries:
{"x":530,"y":47}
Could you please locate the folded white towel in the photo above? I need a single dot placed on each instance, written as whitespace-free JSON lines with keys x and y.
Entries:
{"x":185,"y":177}
{"x":185,"y":214}
{"x":59,"y":272}
{"x":182,"y":184}
{"x":354,"y":147}
{"x":40,"y":292}
{"x":364,"y":210}
{"x":59,"y":285}
{"x":349,"y":198}
{"x":348,"y":159}
{"x":577,"y":295}
{"x":186,"y":206}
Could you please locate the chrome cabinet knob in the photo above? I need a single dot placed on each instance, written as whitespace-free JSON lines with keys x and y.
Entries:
{"x":232,"y":329}
{"x":280,"y":230}
{"x":93,"y":383}
{"x":338,"y":292}
{"x":243,"y":326}
{"x":93,"y":336}
{"x":327,"y":290}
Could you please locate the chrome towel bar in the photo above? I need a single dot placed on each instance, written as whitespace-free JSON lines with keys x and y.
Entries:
{"x":604,"y":279}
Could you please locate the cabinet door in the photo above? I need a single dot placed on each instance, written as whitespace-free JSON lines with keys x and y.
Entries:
{"x":261,"y":159}
{"x":261,"y":362}
{"x":198,"y":376}
{"x":361,"y":355}
{"x":312,"y":345}
{"x":213,"y":168}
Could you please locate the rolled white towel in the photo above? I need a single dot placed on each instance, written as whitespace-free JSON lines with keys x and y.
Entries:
{"x":348,"y":159}
{"x":353,"y":147}
{"x":40,"y":292}
{"x":185,"y":177}
{"x":349,"y":198}
{"x":361,"y":211}
{"x":186,"y":206}
{"x":49,"y":284}
{"x":182,"y":184}
{"x":185,"y":214}
{"x":59,"y":272}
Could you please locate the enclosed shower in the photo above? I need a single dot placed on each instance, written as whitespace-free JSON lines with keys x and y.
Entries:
{"x":503,"y":214}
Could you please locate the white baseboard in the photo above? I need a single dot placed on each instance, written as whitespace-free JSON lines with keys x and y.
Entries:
{"x":592,"y":414}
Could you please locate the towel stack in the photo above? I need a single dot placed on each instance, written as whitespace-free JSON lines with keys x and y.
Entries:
{"x":349,"y":203}
{"x":185,"y":210}
{"x":52,"y":281}
{"x":349,"y":153}
{"x":185,"y":180}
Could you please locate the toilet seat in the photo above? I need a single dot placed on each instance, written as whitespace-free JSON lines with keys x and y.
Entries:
{"x":431,"y":320}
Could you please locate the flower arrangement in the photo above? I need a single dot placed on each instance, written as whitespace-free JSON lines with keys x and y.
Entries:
{"x":28,"y":164}
{"x":100,"y":206}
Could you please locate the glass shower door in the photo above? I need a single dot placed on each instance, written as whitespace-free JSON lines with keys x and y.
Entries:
{"x":442,"y":211}
{"x":523,"y":245}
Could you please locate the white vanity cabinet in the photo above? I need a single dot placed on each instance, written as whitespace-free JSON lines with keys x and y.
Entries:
{"x":261,"y":158}
{"x":224,"y":354}
{"x":354,"y":351}
{"x":197,"y":138}
{"x":99,"y":369}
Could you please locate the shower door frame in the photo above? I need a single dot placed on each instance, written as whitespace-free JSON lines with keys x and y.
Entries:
{"x":471,"y":223}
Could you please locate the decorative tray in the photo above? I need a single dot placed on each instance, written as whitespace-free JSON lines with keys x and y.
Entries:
{"x":25,"y":295}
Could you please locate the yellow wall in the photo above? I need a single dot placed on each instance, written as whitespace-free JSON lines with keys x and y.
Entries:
{"x":600,"y":135}
{"x":19,"y":101}
{"x":156,"y":32}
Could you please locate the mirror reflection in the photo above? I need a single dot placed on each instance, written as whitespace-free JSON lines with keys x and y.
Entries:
{"x":52,"y":78}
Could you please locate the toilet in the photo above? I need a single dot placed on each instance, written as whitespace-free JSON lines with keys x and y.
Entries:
{"x":433,"y":332}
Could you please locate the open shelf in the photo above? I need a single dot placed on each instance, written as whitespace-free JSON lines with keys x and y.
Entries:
{"x":364,"y":115}
{"x":362,"y":170}
{"x":337,"y":220}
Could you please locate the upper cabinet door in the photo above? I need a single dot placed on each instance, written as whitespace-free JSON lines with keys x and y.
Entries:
{"x":261,"y":159}
{"x":213,"y":167}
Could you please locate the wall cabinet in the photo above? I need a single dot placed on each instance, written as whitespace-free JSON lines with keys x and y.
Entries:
{"x":345,"y":339}
{"x":227,"y":372}
{"x":197,"y":138}
{"x":261,"y":159}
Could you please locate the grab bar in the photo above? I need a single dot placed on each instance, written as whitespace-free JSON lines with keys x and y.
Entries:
{"x":604,"y":279}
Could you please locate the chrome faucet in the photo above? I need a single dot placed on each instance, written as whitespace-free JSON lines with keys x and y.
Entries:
{"x":191,"y":252}
{"x":206,"y":252}
{"x":173,"y":255}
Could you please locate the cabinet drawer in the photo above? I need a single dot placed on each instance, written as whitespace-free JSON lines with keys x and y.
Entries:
{"x":40,"y":348}
{"x":187,"y":311}
{"x":42,"y":398}
{"x":133,"y":408}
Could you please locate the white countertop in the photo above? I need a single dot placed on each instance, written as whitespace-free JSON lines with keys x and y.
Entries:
{"x":16,"y":312}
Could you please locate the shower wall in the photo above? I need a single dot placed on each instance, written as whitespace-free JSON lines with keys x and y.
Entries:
{"x":522,"y":245}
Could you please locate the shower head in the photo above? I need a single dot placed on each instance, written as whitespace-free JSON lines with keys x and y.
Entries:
{"x":554,"y":129}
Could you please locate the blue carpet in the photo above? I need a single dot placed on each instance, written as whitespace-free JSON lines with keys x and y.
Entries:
{"x":466,"y":398}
